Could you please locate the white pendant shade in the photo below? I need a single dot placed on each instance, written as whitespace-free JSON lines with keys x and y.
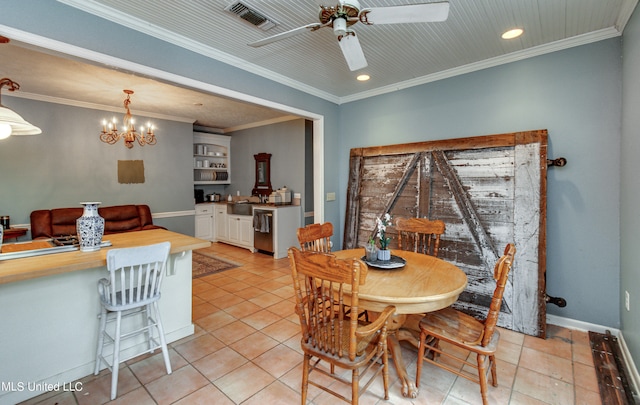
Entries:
{"x":18,"y":125}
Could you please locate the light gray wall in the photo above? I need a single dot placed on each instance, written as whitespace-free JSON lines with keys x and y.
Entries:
{"x":68,"y":164}
{"x":284,"y":141}
{"x":575,"y":94}
{"x":630,"y":192}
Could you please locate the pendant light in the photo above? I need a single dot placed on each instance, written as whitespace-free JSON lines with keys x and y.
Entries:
{"x":10,"y":122}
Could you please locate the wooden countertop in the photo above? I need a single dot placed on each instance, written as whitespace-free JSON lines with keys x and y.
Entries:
{"x":58,"y":263}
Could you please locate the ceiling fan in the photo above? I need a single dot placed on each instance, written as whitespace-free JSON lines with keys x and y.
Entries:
{"x":348,"y":12}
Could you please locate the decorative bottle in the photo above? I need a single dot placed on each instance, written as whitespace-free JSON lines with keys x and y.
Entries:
{"x":90,"y":227}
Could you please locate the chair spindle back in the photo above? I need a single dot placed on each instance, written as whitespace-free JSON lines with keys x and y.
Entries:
{"x":419,"y":235}
{"x":316,"y":237}
{"x":319,"y":282}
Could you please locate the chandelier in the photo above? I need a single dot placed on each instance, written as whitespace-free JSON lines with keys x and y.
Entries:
{"x":10,"y":122}
{"x":111,"y":135}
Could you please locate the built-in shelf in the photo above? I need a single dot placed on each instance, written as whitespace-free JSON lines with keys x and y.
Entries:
{"x":211,"y":158}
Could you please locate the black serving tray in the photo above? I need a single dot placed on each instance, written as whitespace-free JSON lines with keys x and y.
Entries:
{"x":395,"y":262}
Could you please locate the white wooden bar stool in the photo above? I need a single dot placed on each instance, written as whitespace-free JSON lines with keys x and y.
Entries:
{"x":133,"y":288}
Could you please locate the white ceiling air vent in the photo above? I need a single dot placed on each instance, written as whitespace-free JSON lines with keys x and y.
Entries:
{"x":251,"y":15}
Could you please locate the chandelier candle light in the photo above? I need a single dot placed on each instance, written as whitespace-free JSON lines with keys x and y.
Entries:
{"x":111,"y":135}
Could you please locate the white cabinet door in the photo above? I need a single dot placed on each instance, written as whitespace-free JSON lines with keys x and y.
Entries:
{"x":234,"y":228}
{"x":221,"y":223}
{"x":246,"y":231}
{"x":241,"y":231}
{"x":204,"y":222}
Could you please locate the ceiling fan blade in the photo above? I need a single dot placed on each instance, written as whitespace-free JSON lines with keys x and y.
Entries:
{"x":287,"y":34}
{"x":411,"y":13}
{"x":352,"y":51}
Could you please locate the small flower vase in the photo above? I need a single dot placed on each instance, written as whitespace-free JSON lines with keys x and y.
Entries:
{"x":384,"y":255}
{"x":90,"y":228}
{"x":370,"y":252}
{"x":1,"y":236}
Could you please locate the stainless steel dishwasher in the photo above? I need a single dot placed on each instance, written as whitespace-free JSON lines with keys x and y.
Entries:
{"x":263,"y":230}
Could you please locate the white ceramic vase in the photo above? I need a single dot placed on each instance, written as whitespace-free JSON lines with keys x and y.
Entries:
{"x":384,"y":255}
{"x":90,"y":228}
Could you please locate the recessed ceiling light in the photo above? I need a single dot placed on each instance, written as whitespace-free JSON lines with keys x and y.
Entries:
{"x":513,"y":33}
{"x":363,"y":77}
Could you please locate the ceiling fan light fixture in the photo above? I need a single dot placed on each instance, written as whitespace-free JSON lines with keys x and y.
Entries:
{"x":340,"y":26}
{"x":512,"y":33}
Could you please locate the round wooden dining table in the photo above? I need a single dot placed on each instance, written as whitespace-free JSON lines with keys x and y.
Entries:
{"x":424,"y":284}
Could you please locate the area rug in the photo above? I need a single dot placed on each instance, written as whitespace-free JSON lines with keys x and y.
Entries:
{"x":205,"y":265}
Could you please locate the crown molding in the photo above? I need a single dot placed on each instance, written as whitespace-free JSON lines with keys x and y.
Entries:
{"x":115,"y":16}
{"x":488,"y":63}
{"x":95,"y":106}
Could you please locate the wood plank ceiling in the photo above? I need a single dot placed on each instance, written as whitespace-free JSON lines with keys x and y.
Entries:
{"x":399,"y":55}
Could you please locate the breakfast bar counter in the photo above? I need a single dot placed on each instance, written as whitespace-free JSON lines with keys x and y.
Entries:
{"x":47,"y":265}
{"x":49,"y":310}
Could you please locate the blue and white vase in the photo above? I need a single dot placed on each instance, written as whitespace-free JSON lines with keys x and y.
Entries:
{"x":90,"y":228}
{"x":384,"y":255}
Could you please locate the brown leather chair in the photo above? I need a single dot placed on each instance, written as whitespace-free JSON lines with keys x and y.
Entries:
{"x":420,"y":235}
{"x":328,"y":335}
{"x":467,"y":333}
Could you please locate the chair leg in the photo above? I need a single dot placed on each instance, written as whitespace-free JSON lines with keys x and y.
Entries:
{"x":305,"y":378}
{"x":494,"y":374}
{"x":163,"y":342}
{"x":482,"y":374}
{"x":101,"y":329}
{"x":385,"y":371}
{"x":421,"y":350}
{"x":146,"y":313}
{"x":115,"y":367}
{"x":355,"y":386}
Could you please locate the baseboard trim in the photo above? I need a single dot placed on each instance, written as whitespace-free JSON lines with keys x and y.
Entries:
{"x":586,"y":326}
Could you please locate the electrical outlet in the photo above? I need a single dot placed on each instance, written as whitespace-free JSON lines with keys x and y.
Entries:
{"x":626,"y":300}
{"x":331,"y":196}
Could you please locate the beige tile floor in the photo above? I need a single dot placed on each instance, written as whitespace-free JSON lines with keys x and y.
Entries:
{"x":246,"y":351}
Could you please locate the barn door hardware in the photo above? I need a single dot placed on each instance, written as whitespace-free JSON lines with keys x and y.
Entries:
{"x":561,"y":302}
{"x":556,"y":162}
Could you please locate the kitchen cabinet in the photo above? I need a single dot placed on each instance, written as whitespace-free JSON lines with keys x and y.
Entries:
{"x":211,"y":158}
{"x":204,"y":221}
{"x":241,"y":231}
{"x":235,"y":230}
{"x":286,"y":221}
{"x":221,"y":225}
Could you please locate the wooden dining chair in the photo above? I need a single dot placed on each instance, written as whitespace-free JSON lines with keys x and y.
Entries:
{"x":328,"y":335}
{"x":466,"y":332}
{"x":420,"y":235}
{"x":316,"y":237}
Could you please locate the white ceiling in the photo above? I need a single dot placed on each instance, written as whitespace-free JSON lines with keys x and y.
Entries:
{"x":399,"y":55}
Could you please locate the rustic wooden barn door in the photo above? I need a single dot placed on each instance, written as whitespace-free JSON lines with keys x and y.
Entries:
{"x":489,"y":190}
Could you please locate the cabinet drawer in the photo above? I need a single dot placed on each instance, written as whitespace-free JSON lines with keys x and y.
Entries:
{"x":203,"y":209}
